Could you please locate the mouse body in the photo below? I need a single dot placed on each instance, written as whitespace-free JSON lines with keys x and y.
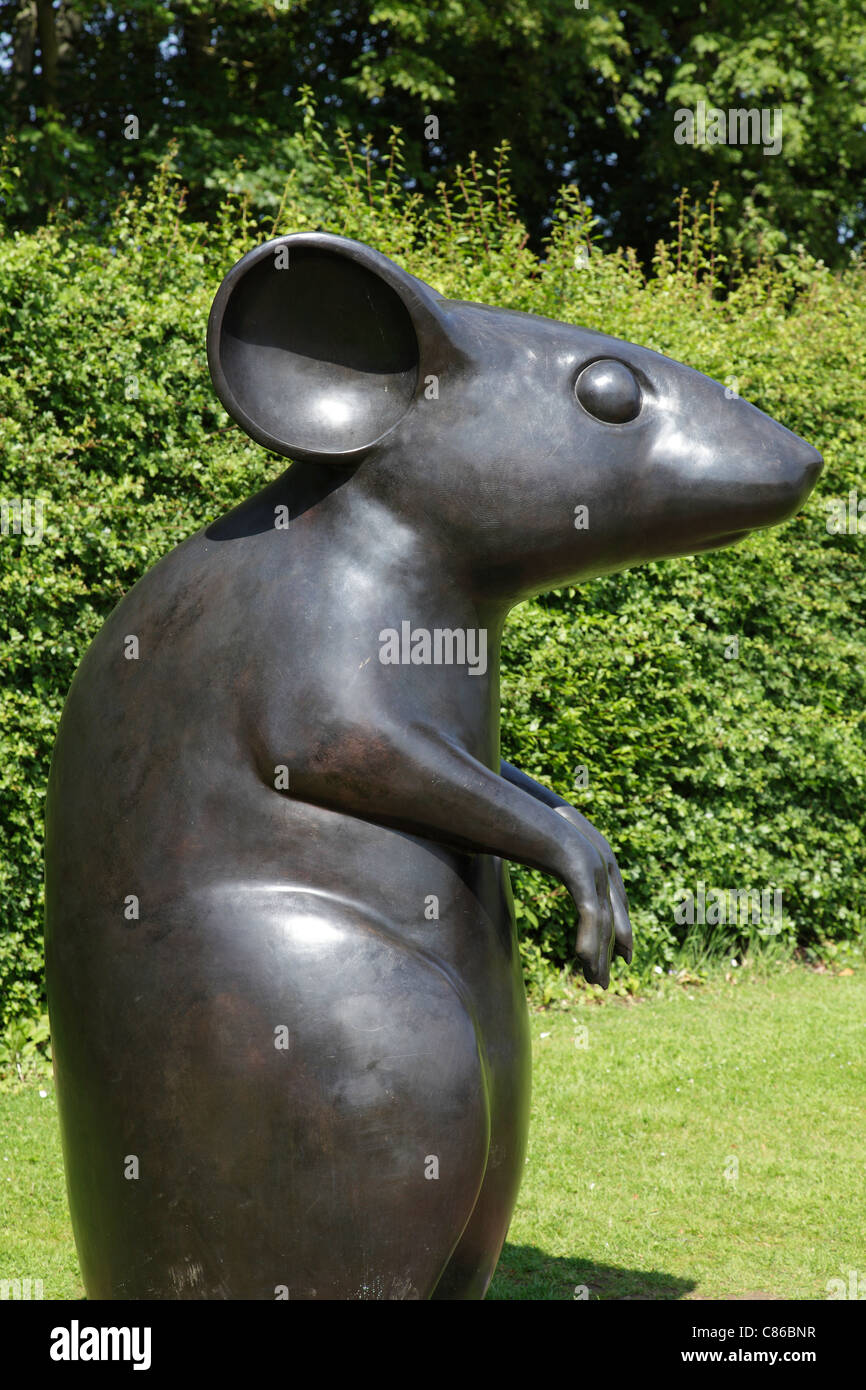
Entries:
{"x":288,"y":1019}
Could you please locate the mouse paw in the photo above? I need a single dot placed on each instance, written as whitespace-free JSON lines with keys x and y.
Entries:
{"x":621,"y":942}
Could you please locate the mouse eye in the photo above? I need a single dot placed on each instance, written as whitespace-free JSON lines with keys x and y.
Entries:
{"x":609,"y":391}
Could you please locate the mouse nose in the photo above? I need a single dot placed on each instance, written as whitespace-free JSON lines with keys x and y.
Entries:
{"x":814,"y":466}
{"x":784,"y":471}
{"x":807,"y":465}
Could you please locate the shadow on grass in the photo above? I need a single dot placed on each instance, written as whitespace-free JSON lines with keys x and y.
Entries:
{"x":526,"y":1273}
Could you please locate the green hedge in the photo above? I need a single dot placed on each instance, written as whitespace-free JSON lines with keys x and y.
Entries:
{"x":745,"y":772}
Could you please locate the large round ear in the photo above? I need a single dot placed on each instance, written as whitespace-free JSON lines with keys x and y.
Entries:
{"x":318,"y":345}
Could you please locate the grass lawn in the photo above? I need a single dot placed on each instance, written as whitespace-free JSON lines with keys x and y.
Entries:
{"x":35,"y":1232}
{"x":705,"y":1143}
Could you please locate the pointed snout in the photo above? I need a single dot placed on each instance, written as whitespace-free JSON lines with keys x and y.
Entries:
{"x":724,"y":470}
{"x":799,"y":461}
{"x":810,"y":465}
{"x":768,"y":471}
{"x":798,"y":467}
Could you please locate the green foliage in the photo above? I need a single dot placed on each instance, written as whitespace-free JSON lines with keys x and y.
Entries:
{"x":743,"y":772}
{"x":25,"y":1053}
{"x":588,"y":95}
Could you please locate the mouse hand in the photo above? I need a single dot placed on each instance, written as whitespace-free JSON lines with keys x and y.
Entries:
{"x":593,"y":951}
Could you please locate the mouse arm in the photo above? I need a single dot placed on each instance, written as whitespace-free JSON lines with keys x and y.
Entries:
{"x":426,"y":784}
{"x":618,"y":898}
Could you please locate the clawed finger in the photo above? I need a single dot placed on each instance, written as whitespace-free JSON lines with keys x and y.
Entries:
{"x":594,"y":941}
{"x":623,"y":942}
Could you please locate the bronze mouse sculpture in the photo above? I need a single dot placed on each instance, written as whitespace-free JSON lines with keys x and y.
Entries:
{"x":288,"y":1018}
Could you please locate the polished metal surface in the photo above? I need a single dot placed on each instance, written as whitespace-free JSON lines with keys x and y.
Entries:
{"x":287,"y":1012}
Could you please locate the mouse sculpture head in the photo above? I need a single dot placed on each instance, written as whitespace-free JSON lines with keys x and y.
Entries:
{"x":543,"y":452}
